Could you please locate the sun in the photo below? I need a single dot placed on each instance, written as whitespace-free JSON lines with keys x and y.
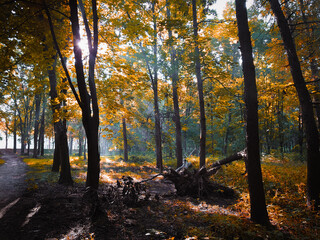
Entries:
{"x":83,"y":45}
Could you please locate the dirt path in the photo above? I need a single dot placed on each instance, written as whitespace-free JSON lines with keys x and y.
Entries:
{"x":12,"y":176}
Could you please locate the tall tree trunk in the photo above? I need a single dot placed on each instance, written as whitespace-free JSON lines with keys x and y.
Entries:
{"x":42,"y":126}
{"x":310,"y":33}
{"x":175,"y":81}
{"x":55,"y":107}
{"x":6,"y":133}
{"x":158,"y":136}
{"x":85,"y":149}
{"x":154,"y":79}
{"x":28,"y":130}
{"x":61,"y":151}
{"x":65,"y":173}
{"x":280,"y":122}
{"x":258,"y":210}
{"x":36,"y":125}
{"x":80,"y":141}
{"x":125,"y":140}
{"x":197,"y":63}
{"x":88,"y":102}
{"x":22,"y":131}
{"x":311,"y":130}
{"x":15,"y":132}
{"x":71,"y":144}
{"x":300,"y":137}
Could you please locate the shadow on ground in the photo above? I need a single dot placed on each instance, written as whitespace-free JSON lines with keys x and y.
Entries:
{"x":52,"y":211}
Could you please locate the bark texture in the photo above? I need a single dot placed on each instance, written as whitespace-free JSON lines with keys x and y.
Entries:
{"x":61,"y":151}
{"x":87,"y":101}
{"x":125,"y":140}
{"x":36,"y":125}
{"x":256,"y":191}
{"x":154,"y":80}
{"x":175,"y":81}
{"x":203,"y":131}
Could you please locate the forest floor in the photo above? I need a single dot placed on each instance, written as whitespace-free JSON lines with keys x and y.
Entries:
{"x":34,"y":206}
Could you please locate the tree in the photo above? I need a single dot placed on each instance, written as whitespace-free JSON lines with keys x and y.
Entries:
{"x":174,"y":71}
{"x":311,"y":130}
{"x":36,"y":125}
{"x":257,"y":198}
{"x":42,"y":126}
{"x":61,"y":151}
{"x":197,"y":65}
{"x":87,"y":100}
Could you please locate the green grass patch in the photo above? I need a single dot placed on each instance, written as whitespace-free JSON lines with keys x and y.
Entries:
{"x":40,"y":170}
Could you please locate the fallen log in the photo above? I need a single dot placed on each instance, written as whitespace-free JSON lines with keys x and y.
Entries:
{"x":237,"y":156}
{"x":196,"y":183}
{"x":217,"y":165}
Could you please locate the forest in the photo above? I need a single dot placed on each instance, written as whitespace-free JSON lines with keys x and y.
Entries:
{"x":202,"y":118}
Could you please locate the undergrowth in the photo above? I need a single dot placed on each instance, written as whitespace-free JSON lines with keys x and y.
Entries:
{"x":187,"y":218}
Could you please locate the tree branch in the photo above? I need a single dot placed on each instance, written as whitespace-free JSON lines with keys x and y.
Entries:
{"x":60,"y":55}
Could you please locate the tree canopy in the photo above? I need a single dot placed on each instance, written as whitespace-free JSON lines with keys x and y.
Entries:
{"x":163,"y":78}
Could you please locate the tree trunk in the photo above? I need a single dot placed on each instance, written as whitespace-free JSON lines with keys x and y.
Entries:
{"x":125,"y":140}
{"x":61,"y":151}
{"x":70,"y":144}
{"x":88,"y":102}
{"x":280,"y":122}
{"x":310,"y":34}
{"x":80,"y":141}
{"x":42,"y":127}
{"x":6,"y":133}
{"x":258,"y":211}
{"x":175,"y":81}
{"x":55,"y":107}
{"x":36,"y":125}
{"x":22,"y":131}
{"x":200,"y":86}
{"x":28,"y":130}
{"x":300,"y":137}
{"x":65,"y":173}
{"x":15,"y":132}
{"x":154,"y":80}
{"x":311,"y":130}
{"x":85,"y":149}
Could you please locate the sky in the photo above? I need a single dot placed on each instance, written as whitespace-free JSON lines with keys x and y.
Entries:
{"x":220,"y":5}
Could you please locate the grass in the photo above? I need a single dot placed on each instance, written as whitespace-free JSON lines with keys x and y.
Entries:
{"x":2,"y":162}
{"x":285,"y":189}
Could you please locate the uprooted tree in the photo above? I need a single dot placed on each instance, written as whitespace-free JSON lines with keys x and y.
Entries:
{"x":197,"y":183}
